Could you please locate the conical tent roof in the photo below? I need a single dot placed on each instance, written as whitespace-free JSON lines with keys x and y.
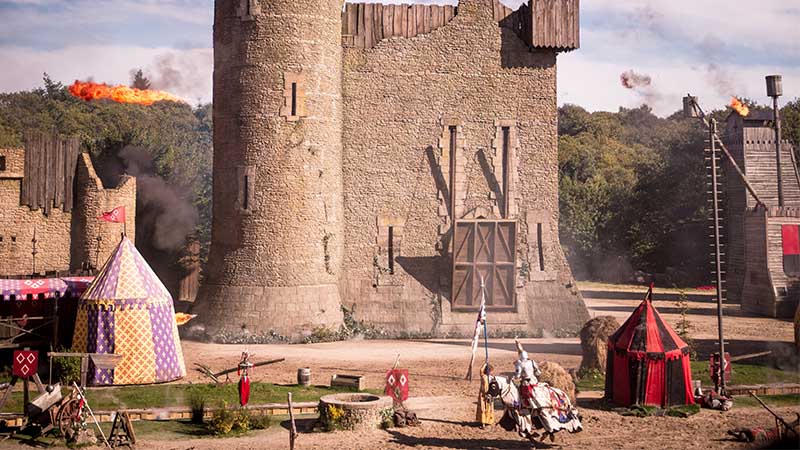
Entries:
{"x":128,"y":311}
{"x":645,"y":332}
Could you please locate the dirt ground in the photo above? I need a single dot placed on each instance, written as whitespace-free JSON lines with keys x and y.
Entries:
{"x":445,"y":401}
{"x":448,"y":426}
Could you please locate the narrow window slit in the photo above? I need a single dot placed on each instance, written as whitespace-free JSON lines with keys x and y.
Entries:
{"x":453,"y":147}
{"x":294,"y":98}
{"x":391,"y":250}
{"x":246,"y":193}
{"x":539,"y":244}
{"x":506,"y":196}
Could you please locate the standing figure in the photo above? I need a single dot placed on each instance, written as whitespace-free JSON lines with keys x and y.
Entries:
{"x":527,"y":371}
{"x":485,"y":412}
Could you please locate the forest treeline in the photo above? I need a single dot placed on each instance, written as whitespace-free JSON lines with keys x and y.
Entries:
{"x":632,"y":185}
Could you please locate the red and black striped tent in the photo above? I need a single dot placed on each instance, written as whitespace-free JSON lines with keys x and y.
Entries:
{"x":648,"y":363}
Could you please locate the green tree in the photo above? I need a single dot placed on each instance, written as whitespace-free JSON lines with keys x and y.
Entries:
{"x":139,"y":81}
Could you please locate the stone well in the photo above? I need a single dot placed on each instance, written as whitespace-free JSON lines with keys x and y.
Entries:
{"x":354,"y":411}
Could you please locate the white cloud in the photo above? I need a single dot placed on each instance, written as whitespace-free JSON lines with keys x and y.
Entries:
{"x":762,"y":25}
{"x":108,"y":64}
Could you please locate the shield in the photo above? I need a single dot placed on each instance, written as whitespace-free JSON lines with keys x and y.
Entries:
{"x":26,"y":363}
{"x":397,"y":384}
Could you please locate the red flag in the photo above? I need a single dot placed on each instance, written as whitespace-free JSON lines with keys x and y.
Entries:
{"x":397,"y":384}
{"x":116,"y":215}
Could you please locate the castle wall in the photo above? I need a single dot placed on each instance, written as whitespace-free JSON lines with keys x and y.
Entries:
{"x":787,"y":289}
{"x":276,"y":250}
{"x":91,"y":201}
{"x":65,"y":240}
{"x":756,"y":279}
{"x":752,"y":143}
{"x":400,"y":98}
{"x":17,"y":224}
{"x":767,"y":289}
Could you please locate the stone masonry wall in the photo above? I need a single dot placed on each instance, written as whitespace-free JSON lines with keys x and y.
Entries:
{"x":399,"y":99}
{"x":92,"y":200}
{"x":276,"y":251}
{"x":17,"y":224}
{"x":64,"y":240}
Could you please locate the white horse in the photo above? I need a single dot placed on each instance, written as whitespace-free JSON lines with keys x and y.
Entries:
{"x":548,"y":409}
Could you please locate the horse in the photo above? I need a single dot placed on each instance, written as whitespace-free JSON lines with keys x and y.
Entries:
{"x":544,"y":408}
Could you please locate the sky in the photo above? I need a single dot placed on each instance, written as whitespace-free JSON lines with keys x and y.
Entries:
{"x":711,"y":48}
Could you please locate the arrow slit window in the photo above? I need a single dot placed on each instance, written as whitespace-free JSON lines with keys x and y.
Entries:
{"x":294,"y":95}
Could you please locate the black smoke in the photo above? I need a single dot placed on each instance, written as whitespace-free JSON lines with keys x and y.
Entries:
{"x":164,"y":214}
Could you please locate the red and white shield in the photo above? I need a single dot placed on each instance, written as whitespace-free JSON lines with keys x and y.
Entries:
{"x":26,"y":363}
{"x":397,"y":384}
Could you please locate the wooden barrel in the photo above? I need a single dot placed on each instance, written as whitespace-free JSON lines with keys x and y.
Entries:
{"x":304,"y":376}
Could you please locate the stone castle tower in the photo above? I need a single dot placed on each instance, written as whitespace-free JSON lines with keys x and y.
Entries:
{"x":277,"y":231}
{"x":386,"y":159}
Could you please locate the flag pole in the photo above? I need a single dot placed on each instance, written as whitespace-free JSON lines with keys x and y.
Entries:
{"x":485,"y":332}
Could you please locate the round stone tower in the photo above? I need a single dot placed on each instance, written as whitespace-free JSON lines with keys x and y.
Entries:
{"x":277,"y":231}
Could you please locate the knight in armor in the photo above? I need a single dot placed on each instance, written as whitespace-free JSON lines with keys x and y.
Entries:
{"x":526,"y":370}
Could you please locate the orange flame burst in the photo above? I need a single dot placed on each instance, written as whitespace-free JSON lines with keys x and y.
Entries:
{"x":739,"y":107}
{"x":123,"y":94}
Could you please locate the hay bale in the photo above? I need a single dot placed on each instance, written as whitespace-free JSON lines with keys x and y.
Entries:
{"x":556,"y":376}
{"x":594,"y":338}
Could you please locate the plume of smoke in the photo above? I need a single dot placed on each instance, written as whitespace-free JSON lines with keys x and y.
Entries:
{"x":721,"y":79}
{"x":186,"y":74}
{"x":642,"y":84}
{"x":165,"y":214}
{"x":633,"y":80}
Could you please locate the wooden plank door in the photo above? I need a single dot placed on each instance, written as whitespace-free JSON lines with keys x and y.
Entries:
{"x":484,"y":250}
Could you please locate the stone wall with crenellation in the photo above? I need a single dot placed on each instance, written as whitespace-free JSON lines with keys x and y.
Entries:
{"x":400,"y":98}
{"x":332,"y":168}
{"x":65,"y":241}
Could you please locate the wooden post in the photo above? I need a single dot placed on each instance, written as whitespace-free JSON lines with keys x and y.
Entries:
{"x":84,"y":369}
{"x":293,"y":428}
{"x":25,"y":393}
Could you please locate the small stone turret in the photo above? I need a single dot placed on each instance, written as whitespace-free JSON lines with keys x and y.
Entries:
{"x":277,"y":232}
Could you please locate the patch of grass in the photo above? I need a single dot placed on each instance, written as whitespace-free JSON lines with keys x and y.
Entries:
{"x":745,"y":401}
{"x":168,"y":395}
{"x":742,"y":374}
{"x":592,"y":381}
{"x":599,"y":286}
{"x":746,"y":374}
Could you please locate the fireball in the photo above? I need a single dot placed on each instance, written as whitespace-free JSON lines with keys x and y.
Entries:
{"x":739,"y":107}
{"x":88,"y":90}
